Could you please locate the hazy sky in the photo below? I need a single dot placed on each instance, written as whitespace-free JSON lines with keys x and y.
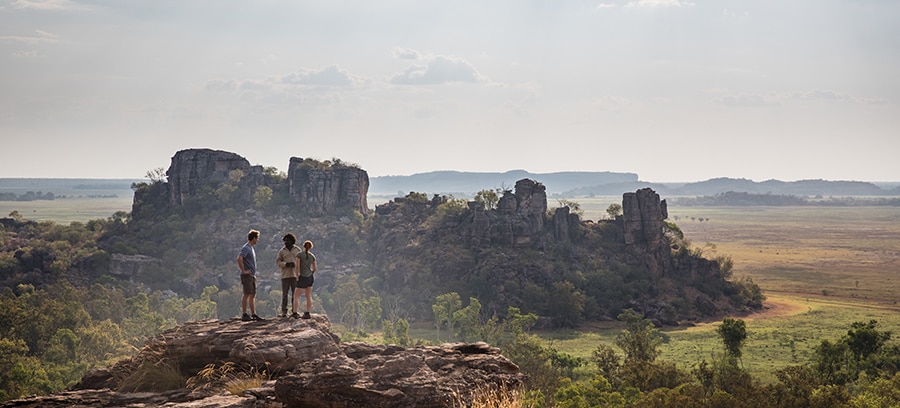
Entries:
{"x":673,"y":90}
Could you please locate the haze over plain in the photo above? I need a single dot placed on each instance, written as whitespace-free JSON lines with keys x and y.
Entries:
{"x":671,"y":90}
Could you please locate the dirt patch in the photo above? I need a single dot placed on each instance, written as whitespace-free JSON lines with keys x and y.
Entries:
{"x":777,"y":307}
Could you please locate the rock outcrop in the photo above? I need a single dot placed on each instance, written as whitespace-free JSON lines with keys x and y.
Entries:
{"x":518,"y":221}
{"x":129,"y":266}
{"x":317,"y":188}
{"x":643,"y":214}
{"x":193,"y":169}
{"x":320,"y":191}
{"x":306,"y":366}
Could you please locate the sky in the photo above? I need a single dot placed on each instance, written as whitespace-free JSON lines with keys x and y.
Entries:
{"x":673,"y":90}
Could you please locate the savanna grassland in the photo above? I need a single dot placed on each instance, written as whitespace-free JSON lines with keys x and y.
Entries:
{"x":67,"y":210}
{"x":821,"y":269}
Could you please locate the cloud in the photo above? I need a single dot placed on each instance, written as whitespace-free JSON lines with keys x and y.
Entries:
{"x":659,"y":3}
{"x":28,"y":54}
{"x":43,"y":37}
{"x":606,"y":6}
{"x":331,"y":75}
{"x":47,"y":5}
{"x":829,"y":95}
{"x":405,"y":53}
{"x":777,"y":99}
{"x":749,"y":100}
{"x":221,"y":85}
{"x":438,"y":70}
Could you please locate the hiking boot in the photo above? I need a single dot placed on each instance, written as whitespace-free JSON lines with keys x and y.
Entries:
{"x":282,"y":314}
{"x":255,"y":317}
{"x":306,"y":315}
{"x":246,"y":317}
{"x":295,"y":315}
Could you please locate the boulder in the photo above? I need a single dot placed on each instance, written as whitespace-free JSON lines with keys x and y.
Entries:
{"x":306,"y":365}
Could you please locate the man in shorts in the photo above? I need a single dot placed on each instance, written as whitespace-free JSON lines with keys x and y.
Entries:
{"x":246,"y":261}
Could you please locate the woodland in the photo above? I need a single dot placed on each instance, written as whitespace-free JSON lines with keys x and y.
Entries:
{"x":64,"y":307}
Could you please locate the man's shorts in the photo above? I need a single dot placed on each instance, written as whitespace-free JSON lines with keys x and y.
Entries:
{"x":248,"y":281}
{"x":304,"y":282}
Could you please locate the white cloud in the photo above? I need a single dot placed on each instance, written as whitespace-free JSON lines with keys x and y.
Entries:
{"x":329,"y":76}
{"x":749,"y":100}
{"x":48,"y":5}
{"x":405,"y":53}
{"x":606,"y":6}
{"x":829,"y":95}
{"x":28,"y":54}
{"x":778,"y":99}
{"x":221,"y":85}
{"x":42,"y":37}
{"x":439,"y":70}
{"x":659,"y":3}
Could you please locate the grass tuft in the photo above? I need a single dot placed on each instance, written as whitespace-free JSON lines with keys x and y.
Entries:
{"x":490,"y":396}
{"x":228,"y":376}
{"x":153,"y":372}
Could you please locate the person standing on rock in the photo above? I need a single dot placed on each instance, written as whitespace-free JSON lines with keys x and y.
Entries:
{"x":307,"y":263}
{"x":286,"y":261}
{"x":246,"y":261}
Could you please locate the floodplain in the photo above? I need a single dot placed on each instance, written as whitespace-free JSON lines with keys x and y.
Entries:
{"x":820,"y":267}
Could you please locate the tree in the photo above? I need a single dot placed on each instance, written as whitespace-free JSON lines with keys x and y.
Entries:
{"x":566,"y":305}
{"x":487,"y":198}
{"x":157,"y":175}
{"x":467,"y":318}
{"x":640,"y":340}
{"x":396,"y":332}
{"x":733,"y":333}
{"x":346,"y":297}
{"x":864,"y":340}
{"x":614,"y":210}
{"x":444,"y":309}
{"x":607,"y":362}
{"x":574,"y":207}
{"x":262,"y":197}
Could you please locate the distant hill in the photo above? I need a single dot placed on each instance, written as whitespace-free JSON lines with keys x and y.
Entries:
{"x":715,"y":186}
{"x":586,"y":184}
{"x":65,"y":186}
{"x":467,"y":184}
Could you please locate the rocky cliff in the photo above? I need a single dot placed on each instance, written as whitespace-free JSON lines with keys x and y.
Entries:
{"x":193,"y":169}
{"x":303,"y":365}
{"x":314,"y":188}
{"x":321,"y":191}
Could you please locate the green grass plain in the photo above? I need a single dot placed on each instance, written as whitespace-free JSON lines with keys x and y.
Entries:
{"x":821,"y":268}
{"x":67,"y":210}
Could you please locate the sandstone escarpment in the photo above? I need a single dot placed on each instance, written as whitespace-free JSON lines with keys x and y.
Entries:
{"x":193,"y":169}
{"x":320,"y":191}
{"x":306,"y":366}
{"x":643,"y":214}
{"x":315,"y":187}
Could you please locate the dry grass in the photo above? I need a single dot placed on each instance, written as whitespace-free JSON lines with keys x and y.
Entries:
{"x":848,"y":253}
{"x":491,"y":396}
{"x":228,"y":376}
{"x":844,"y":253}
{"x":153,"y":372}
